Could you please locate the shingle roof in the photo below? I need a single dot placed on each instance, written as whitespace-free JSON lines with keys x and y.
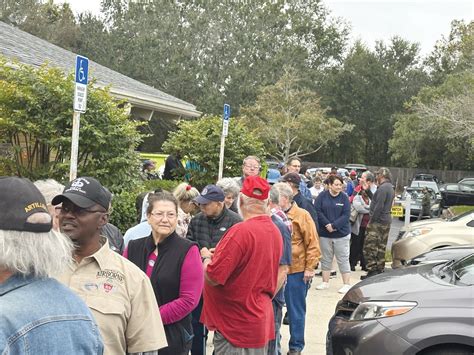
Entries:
{"x":16,"y":44}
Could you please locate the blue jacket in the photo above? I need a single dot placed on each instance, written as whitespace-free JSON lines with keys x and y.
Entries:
{"x":286,"y":256}
{"x":306,"y":204}
{"x":335,"y":211}
{"x":41,"y":316}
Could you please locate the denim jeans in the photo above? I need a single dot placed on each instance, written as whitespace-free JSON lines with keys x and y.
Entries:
{"x":200,"y":332}
{"x":295,"y":296}
{"x":274,"y":346}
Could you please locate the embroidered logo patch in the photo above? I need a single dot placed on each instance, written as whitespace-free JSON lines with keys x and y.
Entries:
{"x":110,"y":275}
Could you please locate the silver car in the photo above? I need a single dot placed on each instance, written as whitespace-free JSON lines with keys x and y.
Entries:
{"x":423,"y":309}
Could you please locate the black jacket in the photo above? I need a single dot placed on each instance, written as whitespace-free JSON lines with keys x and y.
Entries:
{"x":165,"y":279}
{"x":207,"y":232}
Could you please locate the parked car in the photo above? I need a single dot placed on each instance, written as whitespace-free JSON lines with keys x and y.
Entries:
{"x":426,"y":177}
{"x":359,"y":168}
{"x":416,"y":195}
{"x":423,"y":309}
{"x":442,"y":255}
{"x":467,"y":181}
{"x":426,"y":183}
{"x":456,"y":195}
{"x":422,"y":236}
{"x":314,"y":171}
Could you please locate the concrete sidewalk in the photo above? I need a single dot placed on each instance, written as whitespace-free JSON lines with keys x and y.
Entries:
{"x":320,"y":307}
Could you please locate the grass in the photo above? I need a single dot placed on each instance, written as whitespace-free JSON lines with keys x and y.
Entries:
{"x":460,"y":209}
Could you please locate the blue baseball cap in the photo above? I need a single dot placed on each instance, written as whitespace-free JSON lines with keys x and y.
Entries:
{"x":273,"y":176}
{"x":210,"y":193}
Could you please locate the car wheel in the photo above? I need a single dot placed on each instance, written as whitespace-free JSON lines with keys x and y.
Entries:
{"x":448,"y":349}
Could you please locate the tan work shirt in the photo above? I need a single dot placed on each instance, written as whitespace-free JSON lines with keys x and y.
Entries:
{"x":121,"y":299}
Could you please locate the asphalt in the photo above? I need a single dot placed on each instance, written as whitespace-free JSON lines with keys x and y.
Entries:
{"x":320,"y":307}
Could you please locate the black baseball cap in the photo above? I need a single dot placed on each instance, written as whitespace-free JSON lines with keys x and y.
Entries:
{"x":210,"y":193}
{"x":20,"y":199}
{"x":85,"y":192}
{"x":294,"y":178}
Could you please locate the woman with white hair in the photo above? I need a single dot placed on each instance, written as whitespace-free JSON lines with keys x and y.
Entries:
{"x":231,"y":192}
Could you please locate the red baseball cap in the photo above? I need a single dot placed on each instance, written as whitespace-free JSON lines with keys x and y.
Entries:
{"x":255,"y":187}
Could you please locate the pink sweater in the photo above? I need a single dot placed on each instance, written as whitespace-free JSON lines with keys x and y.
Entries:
{"x":192,"y":281}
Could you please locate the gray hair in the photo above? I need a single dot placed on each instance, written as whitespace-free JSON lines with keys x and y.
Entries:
{"x":285,"y":190}
{"x":385,"y":172}
{"x":274,"y":195}
{"x":369,"y":176}
{"x":252,"y":205}
{"x":36,"y":254}
{"x":229,"y":186}
{"x":252,"y":157}
{"x":49,"y":188}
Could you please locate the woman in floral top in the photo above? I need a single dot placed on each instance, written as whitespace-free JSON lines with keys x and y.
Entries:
{"x":184,"y":193}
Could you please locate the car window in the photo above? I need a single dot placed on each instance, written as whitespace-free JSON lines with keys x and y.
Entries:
{"x":466,"y":188}
{"x":464,"y":270}
{"x":452,"y":188}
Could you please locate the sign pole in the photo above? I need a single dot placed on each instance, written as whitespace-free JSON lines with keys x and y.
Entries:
{"x":225,"y":130}
{"x":221,"y":157}
{"x":79,"y":106}
{"x":76,"y":117}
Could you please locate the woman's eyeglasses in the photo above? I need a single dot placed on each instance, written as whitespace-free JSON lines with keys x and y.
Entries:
{"x":161,"y":215}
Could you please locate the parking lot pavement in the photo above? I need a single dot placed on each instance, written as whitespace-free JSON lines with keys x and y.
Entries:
{"x":320,"y":307}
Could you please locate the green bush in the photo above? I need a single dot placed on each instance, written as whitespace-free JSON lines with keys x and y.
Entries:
{"x":36,"y":121}
{"x":124,"y":213}
{"x":198,"y":142}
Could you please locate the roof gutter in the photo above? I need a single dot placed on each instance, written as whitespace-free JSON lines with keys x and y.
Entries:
{"x":156,"y":104}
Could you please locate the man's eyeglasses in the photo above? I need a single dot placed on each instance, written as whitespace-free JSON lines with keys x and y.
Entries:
{"x":252,"y":167}
{"x":160,"y":215}
{"x":76,"y":210}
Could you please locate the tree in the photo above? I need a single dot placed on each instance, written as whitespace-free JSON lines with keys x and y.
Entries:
{"x":366,"y":91}
{"x":290,"y":120}
{"x":210,"y":52}
{"x":36,"y":119}
{"x":454,"y":53}
{"x":437,"y":129}
{"x":198,"y":142}
{"x":51,"y":22}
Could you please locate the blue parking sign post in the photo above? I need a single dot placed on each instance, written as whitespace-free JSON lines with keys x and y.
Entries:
{"x":79,"y":105}
{"x":225,"y":131}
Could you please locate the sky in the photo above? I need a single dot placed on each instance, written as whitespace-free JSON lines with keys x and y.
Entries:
{"x":421,"y":21}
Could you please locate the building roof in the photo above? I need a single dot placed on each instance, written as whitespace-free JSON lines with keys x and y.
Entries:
{"x":25,"y":48}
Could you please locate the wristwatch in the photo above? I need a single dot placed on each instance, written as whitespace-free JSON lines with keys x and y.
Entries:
{"x":205,"y":257}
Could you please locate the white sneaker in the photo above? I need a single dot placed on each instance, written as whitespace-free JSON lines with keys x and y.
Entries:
{"x":344,"y":288}
{"x":323,"y":286}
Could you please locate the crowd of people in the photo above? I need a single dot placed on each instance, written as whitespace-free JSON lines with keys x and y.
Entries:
{"x":226,"y":259}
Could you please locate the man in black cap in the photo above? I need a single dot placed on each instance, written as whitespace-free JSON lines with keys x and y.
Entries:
{"x":294,"y":181}
{"x":38,"y":314}
{"x":119,"y":294}
{"x":206,"y":229}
